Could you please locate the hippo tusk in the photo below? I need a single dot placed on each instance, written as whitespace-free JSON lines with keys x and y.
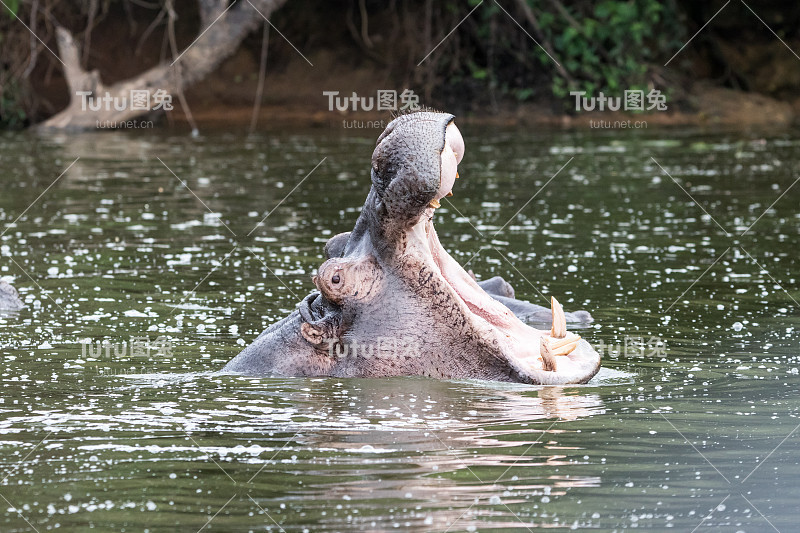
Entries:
{"x":434,"y":203}
{"x":567,"y":347}
{"x":559,"y":342}
{"x":570,"y":338}
{"x":548,"y":359}
{"x":559,"y":328}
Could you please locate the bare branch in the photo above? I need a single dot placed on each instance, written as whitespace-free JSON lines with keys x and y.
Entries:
{"x":215,"y":43}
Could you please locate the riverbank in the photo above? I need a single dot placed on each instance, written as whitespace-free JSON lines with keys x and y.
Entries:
{"x":735,"y":74}
{"x":703,"y":106}
{"x":298,"y":94}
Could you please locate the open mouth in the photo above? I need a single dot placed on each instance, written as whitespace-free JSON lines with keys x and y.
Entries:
{"x":554,"y":356}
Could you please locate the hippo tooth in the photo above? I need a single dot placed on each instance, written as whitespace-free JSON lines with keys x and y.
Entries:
{"x":567,"y":348}
{"x":457,"y":176}
{"x":449,"y":194}
{"x":434,"y":203}
{"x":569,"y":338}
{"x":548,"y":361}
{"x":559,"y":328}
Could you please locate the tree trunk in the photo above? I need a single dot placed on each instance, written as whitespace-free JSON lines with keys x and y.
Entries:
{"x":224,"y":32}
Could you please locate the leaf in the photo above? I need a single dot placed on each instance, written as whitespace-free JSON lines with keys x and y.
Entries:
{"x":603,"y":9}
{"x":569,"y":34}
{"x":524,"y":94}
{"x":480,"y":74}
{"x":546,"y":19}
{"x":12,"y":6}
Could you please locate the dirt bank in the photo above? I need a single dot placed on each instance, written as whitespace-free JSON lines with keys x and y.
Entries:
{"x":295,"y":96}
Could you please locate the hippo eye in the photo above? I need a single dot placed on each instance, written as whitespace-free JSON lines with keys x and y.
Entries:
{"x":336,"y":279}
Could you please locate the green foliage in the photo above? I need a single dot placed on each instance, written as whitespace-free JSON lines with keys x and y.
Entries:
{"x":609,"y":45}
{"x":11,"y":7}
{"x":12,"y":115}
{"x":606,"y":45}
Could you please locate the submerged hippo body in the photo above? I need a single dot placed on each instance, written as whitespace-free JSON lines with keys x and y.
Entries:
{"x":9,"y":298}
{"x":392,"y":302}
{"x":538,"y":314}
{"x":503,"y":292}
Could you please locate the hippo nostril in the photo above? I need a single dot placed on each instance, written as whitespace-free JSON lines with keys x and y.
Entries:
{"x":336,"y":279}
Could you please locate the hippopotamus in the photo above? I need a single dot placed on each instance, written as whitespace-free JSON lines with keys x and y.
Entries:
{"x":9,"y":298}
{"x":390,"y":301}
{"x":503,"y":292}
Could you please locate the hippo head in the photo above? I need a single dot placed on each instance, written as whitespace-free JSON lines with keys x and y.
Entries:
{"x":391,"y":301}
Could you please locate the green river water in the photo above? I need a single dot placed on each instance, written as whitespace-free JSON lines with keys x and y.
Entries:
{"x":692,"y":424}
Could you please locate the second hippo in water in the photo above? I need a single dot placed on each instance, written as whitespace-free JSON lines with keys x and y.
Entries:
{"x":503,"y":292}
{"x":9,"y":298}
{"x":392,"y":302}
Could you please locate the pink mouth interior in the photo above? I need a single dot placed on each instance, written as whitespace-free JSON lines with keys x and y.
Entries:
{"x":517,"y":339}
{"x":522,"y":340}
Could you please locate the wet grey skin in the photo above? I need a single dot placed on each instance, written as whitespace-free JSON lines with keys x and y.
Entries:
{"x":390,"y":301}
{"x":503,"y":292}
{"x":538,"y":314}
{"x":9,"y":299}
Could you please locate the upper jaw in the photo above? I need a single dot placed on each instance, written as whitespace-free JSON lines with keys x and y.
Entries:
{"x":406,"y":169}
{"x":450,"y":157}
